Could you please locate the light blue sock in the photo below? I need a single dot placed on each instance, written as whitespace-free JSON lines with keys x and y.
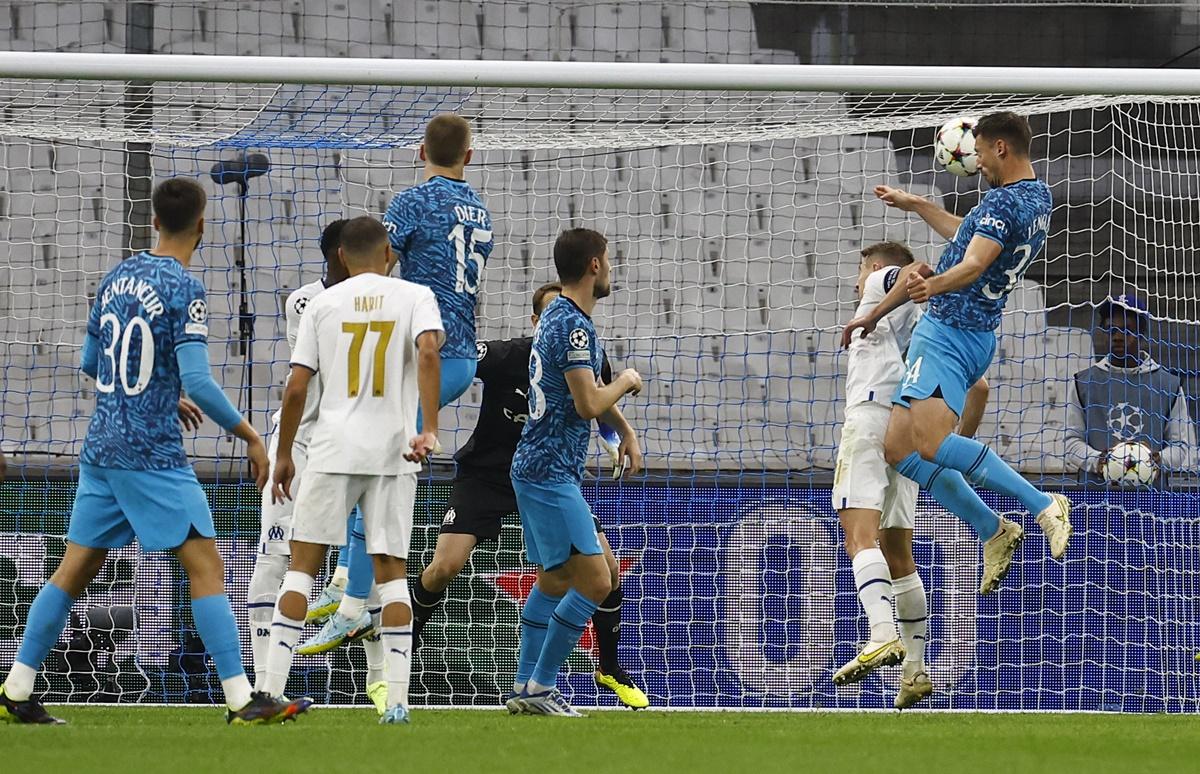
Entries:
{"x":344,"y":552}
{"x":950,"y":489}
{"x":566,"y":627}
{"x":218,"y":630}
{"x":47,"y":619}
{"x":535,"y":620}
{"x":983,"y":467}
{"x":362,"y":572}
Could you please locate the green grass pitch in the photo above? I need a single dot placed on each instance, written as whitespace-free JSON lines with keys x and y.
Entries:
{"x":179,"y":740}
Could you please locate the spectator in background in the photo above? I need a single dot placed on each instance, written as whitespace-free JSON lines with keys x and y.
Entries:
{"x":1127,"y":396}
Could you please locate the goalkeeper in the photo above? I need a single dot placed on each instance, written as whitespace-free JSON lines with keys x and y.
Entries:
{"x":483,"y":495}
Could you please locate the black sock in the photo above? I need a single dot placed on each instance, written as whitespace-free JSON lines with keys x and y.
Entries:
{"x":424,"y":603}
{"x":607,"y":621}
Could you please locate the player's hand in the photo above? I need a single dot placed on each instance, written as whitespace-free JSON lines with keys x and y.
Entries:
{"x":898,"y":198}
{"x":190,"y":415}
{"x":630,"y":450}
{"x":865,"y":324}
{"x":1101,"y":462}
{"x":918,"y":287}
{"x":634,"y":379}
{"x":422,"y":446}
{"x":281,"y":479}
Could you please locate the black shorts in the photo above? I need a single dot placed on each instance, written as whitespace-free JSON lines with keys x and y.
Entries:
{"x":477,"y":507}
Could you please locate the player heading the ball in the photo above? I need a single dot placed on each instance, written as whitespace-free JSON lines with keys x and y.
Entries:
{"x":547,"y":470}
{"x":147,"y":338}
{"x":952,"y":346}
{"x":373,"y":340}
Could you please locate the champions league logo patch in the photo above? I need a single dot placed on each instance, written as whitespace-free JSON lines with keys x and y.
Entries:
{"x":480,"y":350}
{"x":197,"y":318}
{"x":1125,"y":421}
{"x":578,"y":338}
{"x":300,"y":305}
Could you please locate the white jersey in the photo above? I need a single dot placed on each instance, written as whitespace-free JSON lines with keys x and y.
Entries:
{"x":876,"y":364}
{"x":359,"y":337}
{"x":297,"y":302}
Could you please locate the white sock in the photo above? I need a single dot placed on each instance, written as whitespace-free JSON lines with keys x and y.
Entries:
{"x":874,"y":585}
{"x":912,"y":613}
{"x":18,"y":686}
{"x":237,"y":692}
{"x":397,"y":641}
{"x":351,"y":607}
{"x":373,"y":645}
{"x":341,"y":575}
{"x":261,"y":596}
{"x":285,"y":633}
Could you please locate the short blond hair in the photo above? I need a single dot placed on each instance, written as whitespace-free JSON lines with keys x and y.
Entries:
{"x":447,"y":140}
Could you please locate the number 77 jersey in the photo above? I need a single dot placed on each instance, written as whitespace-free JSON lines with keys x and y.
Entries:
{"x":1015,"y":216}
{"x":442,"y":234}
{"x":359,"y":337}
{"x":145,"y":308}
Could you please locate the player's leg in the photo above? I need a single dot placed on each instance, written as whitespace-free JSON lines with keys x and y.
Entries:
{"x":912,"y":614}
{"x":43,"y":626}
{"x":351,"y":621}
{"x":387,"y":506}
{"x":373,"y":649}
{"x":270,"y":563}
{"x":449,"y":557}
{"x":326,"y":603}
{"x":607,"y":623}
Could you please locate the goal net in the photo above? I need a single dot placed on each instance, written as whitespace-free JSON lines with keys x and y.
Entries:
{"x":735,"y":220}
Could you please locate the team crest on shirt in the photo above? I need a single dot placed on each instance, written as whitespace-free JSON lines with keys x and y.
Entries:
{"x":449,"y":517}
{"x":480,"y":350}
{"x":197,"y":318}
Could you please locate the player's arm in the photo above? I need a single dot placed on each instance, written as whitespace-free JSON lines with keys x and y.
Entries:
{"x":630,"y":449}
{"x":429,"y":388}
{"x":294,"y":395}
{"x":196,"y":375}
{"x":400,"y":223}
{"x":1080,"y":455}
{"x":1179,"y":445}
{"x":89,"y":358}
{"x":973,"y":409}
{"x":942,"y":221}
{"x":591,"y":400}
{"x":896,"y":297}
{"x":981,"y":253}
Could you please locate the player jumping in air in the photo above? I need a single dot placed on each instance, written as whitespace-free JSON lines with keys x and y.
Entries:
{"x":374,"y":341}
{"x":273,"y":547}
{"x":441,"y":233}
{"x":875,"y":504}
{"x":953,"y":344}
{"x":147,"y":338}
{"x":547,"y":469}
{"x":483,"y":495}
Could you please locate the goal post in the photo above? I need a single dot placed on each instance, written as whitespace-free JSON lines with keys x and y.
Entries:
{"x":736,"y":199}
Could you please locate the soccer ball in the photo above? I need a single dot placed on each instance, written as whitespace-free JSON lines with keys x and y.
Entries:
{"x":954,"y":147}
{"x":1130,"y":464}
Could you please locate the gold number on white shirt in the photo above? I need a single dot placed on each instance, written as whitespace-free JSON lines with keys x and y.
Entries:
{"x":358,"y":333}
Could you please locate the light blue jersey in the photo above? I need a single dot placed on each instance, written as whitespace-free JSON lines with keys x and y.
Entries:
{"x":442,"y":235}
{"x":145,"y":308}
{"x":1015,"y":216}
{"x":553,"y":446}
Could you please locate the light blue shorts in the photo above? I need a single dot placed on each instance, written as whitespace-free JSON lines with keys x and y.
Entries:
{"x":556,"y":521}
{"x":944,"y":361}
{"x":457,"y":375}
{"x":161,"y":508}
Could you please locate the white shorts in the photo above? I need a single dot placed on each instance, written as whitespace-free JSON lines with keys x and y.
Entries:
{"x":862,"y":478}
{"x":386,"y":503}
{"x":277,"y":517}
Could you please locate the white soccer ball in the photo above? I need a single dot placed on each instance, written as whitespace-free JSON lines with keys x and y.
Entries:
{"x":1130,"y":464}
{"x":954,"y":147}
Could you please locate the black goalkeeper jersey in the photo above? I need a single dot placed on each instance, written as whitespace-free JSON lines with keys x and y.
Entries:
{"x":503,"y":368}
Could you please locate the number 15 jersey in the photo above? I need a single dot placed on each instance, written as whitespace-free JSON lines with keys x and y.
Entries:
{"x":144,"y":308}
{"x":1015,"y":216}
{"x":442,"y":234}
{"x":359,"y":338}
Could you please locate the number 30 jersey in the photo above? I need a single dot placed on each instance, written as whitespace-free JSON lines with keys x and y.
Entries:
{"x":144,"y":308}
{"x":442,"y":235}
{"x":1015,"y":216}
{"x":553,"y":446}
{"x":359,"y":337}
